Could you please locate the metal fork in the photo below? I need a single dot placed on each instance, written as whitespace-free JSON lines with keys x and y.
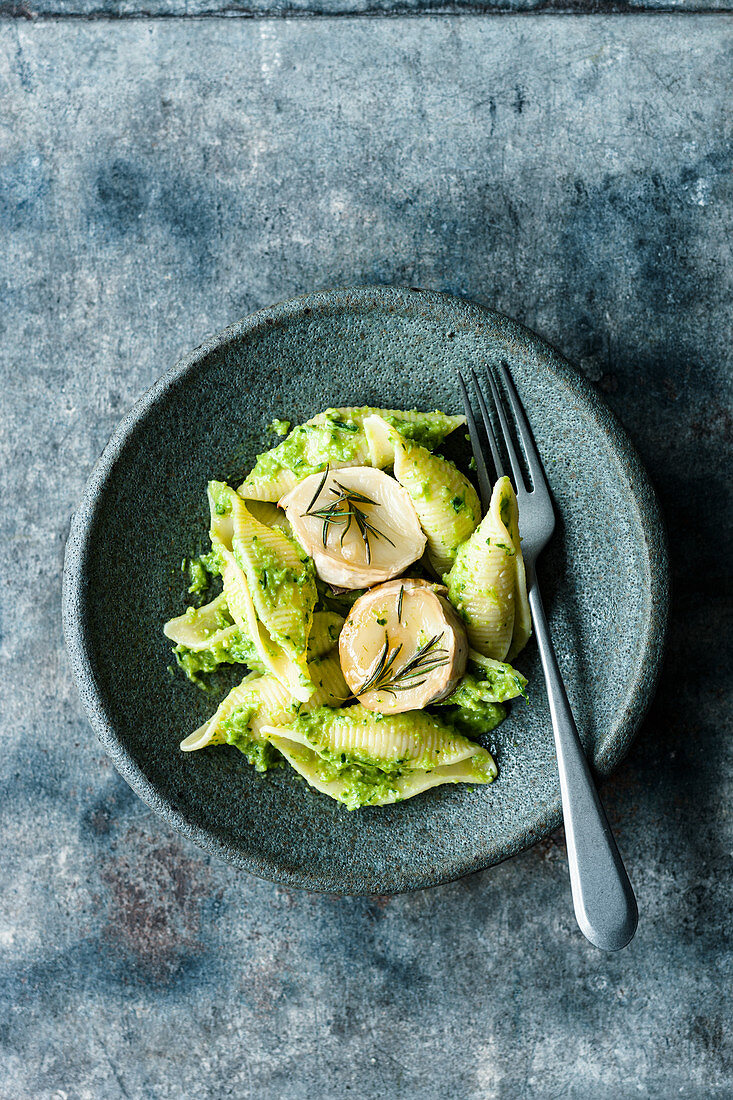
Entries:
{"x":605,"y":906}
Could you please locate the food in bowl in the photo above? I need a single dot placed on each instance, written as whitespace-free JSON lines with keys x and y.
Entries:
{"x":374,"y":609}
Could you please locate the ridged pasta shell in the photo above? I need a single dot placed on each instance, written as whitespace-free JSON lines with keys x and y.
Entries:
{"x":336,"y":438}
{"x":415,"y":739}
{"x":446,"y":502}
{"x":211,"y":732}
{"x":201,"y":629}
{"x":271,"y":702}
{"x":278,"y":629}
{"x":479,"y":768}
{"x":482,"y":581}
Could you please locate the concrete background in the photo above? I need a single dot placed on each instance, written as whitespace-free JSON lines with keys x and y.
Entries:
{"x":192,"y":9}
{"x":161,"y":178}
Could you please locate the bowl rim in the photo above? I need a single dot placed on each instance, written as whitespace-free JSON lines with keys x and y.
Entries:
{"x":75,"y":588}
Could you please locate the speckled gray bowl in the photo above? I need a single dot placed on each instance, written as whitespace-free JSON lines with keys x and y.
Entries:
{"x":605,"y":579}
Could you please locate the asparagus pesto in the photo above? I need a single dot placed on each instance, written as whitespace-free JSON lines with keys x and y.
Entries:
{"x":372,"y":607}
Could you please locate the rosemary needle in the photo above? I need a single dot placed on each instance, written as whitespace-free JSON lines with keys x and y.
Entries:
{"x":384,"y":677}
{"x":317,"y":493}
{"x":344,"y":510}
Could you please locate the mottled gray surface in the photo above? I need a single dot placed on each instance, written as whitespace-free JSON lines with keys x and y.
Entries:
{"x":116,"y":9}
{"x":158,"y":180}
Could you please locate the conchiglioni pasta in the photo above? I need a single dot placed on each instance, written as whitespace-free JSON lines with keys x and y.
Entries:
{"x":335,"y":438}
{"x":262,"y":700}
{"x":483,"y":581}
{"x":363,"y":759}
{"x":207,"y":637}
{"x":445,"y":500}
{"x":269,"y":587}
{"x":404,"y":646}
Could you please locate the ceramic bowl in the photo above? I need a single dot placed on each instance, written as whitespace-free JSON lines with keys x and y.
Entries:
{"x":604,"y":578}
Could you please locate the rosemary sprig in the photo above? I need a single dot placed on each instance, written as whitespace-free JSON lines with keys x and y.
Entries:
{"x":317,"y":493}
{"x":384,"y":676}
{"x":399,"y":603}
{"x":342,"y":512}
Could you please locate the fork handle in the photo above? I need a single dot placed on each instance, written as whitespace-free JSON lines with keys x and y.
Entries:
{"x":604,"y":902}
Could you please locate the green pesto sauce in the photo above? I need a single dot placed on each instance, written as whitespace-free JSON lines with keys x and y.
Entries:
{"x":201,"y":572}
{"x":236,"y":649}
{"x":339,"y":441}
{"x":260,"y":754}
{"x":429,"y":431}
{"x":193,"y":663}
{"x":455,"y":582}
{"x":473,"y":722}
{"x":472,"y":695}
{"x":310,"y":447}
{"x":494,"y":685}
{"x":223,"y":618}
{"x":364,"y":784}
{"x":222,"y":498}
{"x":475,"y":707}
{"x":279,"y":427}
{"x":199,"y":577}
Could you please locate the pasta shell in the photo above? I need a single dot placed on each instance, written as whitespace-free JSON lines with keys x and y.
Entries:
{"x":395,"y":789}
{"x":268,"y":513}
{"x":414,"y":739}
{"x":336,"y":438}
{"x":268,"y":701}
{"x":268,"y":587}
{"x":212,"y":733}
{"x":201,"y":628}
{"x":482,"y":581}
{"x":446,"y":502}
{"x":337,"y":755}
{"x":292,"y":674}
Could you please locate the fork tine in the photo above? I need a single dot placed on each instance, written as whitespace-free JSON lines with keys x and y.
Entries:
{"x":495,"y":452}
{"x":508,"y":443}
{"x":484,"y":482}
{"x":534,"y":462}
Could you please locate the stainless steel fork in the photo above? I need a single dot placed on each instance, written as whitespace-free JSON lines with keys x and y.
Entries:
{"x":605,"y":906}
